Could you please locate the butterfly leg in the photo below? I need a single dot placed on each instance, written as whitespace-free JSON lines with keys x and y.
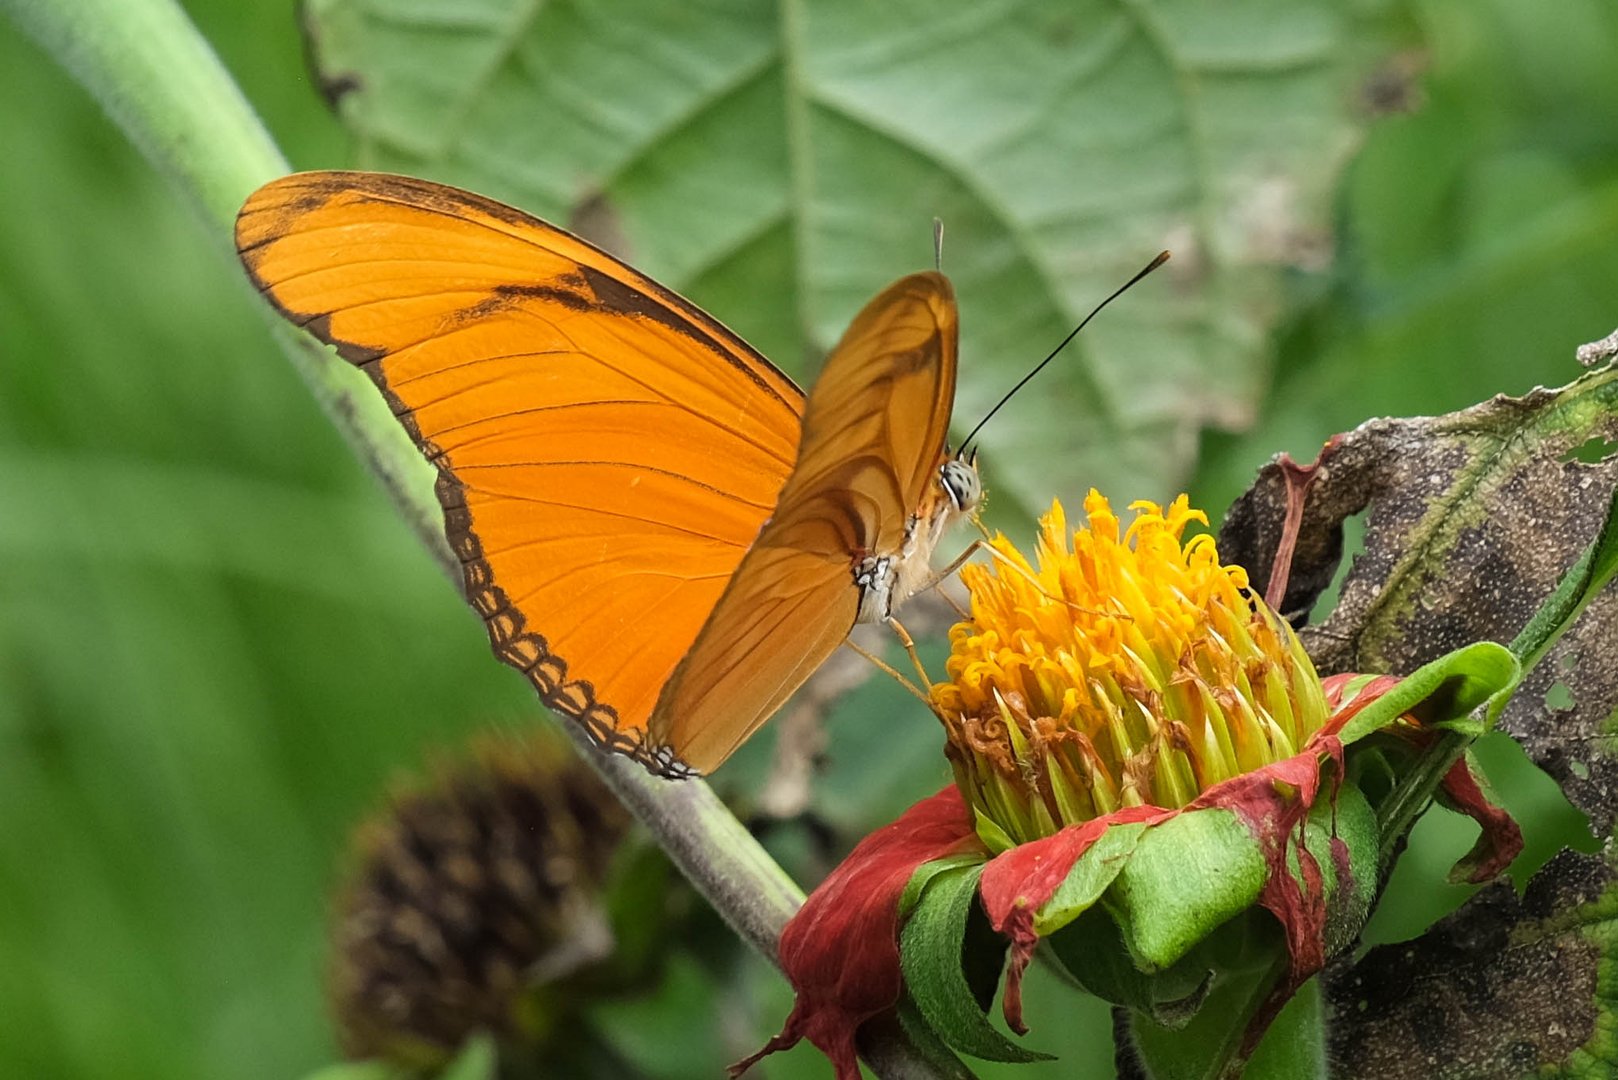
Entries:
{"x":910,"y":649}
{"x":955,"y":564}
{"x":888,"y":669}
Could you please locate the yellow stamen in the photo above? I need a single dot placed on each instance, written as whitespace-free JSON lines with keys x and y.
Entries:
{"x":1119,"y":668}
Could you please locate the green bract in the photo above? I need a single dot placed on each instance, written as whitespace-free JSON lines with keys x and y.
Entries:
{"x":1260,"y":880}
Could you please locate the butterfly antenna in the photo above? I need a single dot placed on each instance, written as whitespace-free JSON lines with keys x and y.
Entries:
{"x":938,"y":244}
{"x":1162,"y":258}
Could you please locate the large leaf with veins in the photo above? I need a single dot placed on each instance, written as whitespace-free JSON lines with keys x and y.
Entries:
{"x":780,"y":163}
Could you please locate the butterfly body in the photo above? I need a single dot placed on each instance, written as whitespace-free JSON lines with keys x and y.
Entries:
{"x":887,"y":580}
{"x":655,"y":524}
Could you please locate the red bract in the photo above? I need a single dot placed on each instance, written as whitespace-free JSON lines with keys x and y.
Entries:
{"x":1016,"y":883}
{"x":1336,"y":687}
{"x":841,"y":950}
{"x":1274,"y":802}
{"x":1501,"y":840}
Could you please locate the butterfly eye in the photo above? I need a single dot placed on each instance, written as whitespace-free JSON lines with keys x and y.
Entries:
{"x":961,"y":483}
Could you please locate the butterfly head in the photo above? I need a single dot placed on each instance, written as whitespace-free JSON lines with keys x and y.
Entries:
{"x":958,"y":476}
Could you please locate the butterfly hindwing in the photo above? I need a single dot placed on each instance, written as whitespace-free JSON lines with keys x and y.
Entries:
{"x":874,"y":430}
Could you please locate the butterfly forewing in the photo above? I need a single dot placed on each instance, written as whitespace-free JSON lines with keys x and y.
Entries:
{"x":873,"y":437}
{"x":607,"y":452}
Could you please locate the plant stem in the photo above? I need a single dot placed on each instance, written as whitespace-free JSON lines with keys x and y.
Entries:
{"x":156,"y":77}
{"x":1410,"y":798}
{"x":1294,"y":1048}
{"x":1213,"y":1045}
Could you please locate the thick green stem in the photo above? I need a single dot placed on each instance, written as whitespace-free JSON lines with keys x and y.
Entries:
{"x":158,"y":80}
{"x":1409,"y":800}
{"x":1211,"y":1046}
{"x":147,"y":66}
{"x":1294,"y":1048}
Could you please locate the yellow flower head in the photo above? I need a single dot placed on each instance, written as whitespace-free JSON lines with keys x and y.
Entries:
{"x":1119,"y":671}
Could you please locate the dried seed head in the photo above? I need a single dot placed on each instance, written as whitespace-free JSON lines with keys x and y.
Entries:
{"x":466,"y":896}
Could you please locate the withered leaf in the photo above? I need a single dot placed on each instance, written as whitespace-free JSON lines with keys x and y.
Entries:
{"x":1471,"y":520}
{"x":1496,"y":991}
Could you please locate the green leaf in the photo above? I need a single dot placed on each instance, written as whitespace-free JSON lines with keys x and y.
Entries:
{"x":780,"y":163}
{"x":1208,"y":1047}
{"x":1347,"y":816}
{"x":1475,"y":222}
{"x":1294,"y":1045}
{"x":931,"y":953}
{"x":476,"y":1061}
{"x":1186,"y":876}
{"x":1443,"y":693}
{"x":1097,"y":867}
{"x":1091,"y":949}
{"x":926,"y":1041}
{"x":924,"y":875}
{"x":1177,"y":939}
{"x":358,"y":1070}
{"x":989,"y":831}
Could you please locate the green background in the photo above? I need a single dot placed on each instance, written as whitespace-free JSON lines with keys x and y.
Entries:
{"x":217,"y":642}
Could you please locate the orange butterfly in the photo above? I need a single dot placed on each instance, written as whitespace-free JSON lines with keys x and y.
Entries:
{"x":655,"y":525}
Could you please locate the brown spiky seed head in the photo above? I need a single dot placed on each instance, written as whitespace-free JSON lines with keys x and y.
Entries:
{"x":468,"y":894}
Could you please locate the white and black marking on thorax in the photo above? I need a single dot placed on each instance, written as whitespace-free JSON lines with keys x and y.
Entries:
{"x":886,"y":580}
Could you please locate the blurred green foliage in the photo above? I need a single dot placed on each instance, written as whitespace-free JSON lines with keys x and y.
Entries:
{"x":217,"y":642}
